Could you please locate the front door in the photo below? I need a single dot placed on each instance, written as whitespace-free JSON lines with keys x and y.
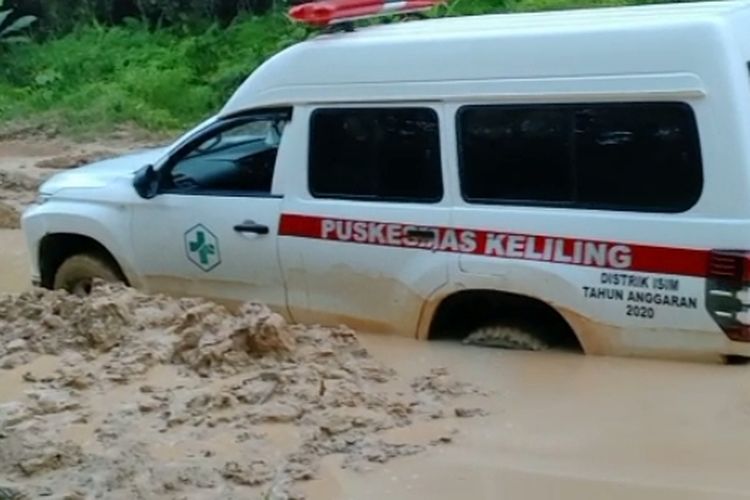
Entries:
{"x":212,"y":229}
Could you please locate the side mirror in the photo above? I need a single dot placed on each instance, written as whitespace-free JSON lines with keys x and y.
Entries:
{"x":146,"y":182}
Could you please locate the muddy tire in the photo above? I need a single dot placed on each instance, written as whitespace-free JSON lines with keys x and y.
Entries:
{"x":506,"y":337}
{"x":77,"y":273}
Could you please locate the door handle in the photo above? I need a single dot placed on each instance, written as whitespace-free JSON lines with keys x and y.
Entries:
{"x":421,"y":234}
{"x":251,"y":227}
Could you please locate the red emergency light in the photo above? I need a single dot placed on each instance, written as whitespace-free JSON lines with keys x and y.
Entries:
{"x":328,"y":12}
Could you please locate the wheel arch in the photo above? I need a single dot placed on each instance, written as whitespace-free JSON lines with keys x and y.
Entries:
{"x":456,"y":312}
{"x":55,"y":248}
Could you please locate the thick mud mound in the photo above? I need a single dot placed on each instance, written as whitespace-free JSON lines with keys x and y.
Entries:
{"x":18,"y":181}
{"x":69,"y":161}
{"x":139,"y":331}
{"x":125,"y":395}
{"x":9,"y":217}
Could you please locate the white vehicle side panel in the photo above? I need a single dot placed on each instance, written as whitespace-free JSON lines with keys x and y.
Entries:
{"x":242,"y":266}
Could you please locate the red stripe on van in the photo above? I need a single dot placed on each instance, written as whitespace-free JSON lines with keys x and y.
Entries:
{"x":620,"y":256}
{"x":301,"y":225}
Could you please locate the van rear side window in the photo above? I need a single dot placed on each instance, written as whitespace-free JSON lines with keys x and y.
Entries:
{"x":622,"y":156}
{"x":380,"y":154}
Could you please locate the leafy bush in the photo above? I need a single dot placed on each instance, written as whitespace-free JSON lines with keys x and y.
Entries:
{"x":9,"y":28}
{"x":97,"y":77}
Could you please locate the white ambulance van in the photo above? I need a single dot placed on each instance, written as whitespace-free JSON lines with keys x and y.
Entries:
{"x":583,"y":176}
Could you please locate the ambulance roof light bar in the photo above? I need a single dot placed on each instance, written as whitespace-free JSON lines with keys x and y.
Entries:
{"x":328,"y":13}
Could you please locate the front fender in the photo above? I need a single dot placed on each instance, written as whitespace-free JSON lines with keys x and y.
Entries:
{"x":106,"y":223}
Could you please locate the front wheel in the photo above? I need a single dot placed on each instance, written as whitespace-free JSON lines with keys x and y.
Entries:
{"x":77,"y":273}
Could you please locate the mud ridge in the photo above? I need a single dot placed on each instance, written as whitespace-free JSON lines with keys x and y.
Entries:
{"x":128,"y":395}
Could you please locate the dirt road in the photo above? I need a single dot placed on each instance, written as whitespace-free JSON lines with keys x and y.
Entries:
{"x":551,"y":425}
{"x":25,"y":163}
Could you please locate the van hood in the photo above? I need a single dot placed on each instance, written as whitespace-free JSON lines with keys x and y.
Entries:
{"x":99,"y":174}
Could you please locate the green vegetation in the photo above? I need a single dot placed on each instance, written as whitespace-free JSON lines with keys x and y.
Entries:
{"x":96,"y":77}
{"x":99,"y":76}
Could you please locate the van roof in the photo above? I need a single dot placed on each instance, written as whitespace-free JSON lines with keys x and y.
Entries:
{"x":657,"y":38}
{"x":571,"y":19}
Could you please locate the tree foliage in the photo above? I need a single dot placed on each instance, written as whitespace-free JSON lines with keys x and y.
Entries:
{"x":60,"y":16}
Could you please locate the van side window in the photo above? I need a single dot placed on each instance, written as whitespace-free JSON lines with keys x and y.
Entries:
{"x":507,"y":152}
{"x":622,"y":156}
{"x":382,"y":154}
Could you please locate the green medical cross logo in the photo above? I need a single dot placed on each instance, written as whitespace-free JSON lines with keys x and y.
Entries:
{"x":202,"y":247}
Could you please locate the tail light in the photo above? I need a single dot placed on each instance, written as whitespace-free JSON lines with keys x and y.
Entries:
{"x":326,"y":12}
{"x":728,"y":292}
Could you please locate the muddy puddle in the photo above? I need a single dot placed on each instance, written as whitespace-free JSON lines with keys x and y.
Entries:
{"x":126,"y":396}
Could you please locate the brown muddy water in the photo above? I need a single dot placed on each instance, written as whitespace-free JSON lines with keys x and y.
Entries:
{"x":557,"y":425}
{"x":14,"y":264}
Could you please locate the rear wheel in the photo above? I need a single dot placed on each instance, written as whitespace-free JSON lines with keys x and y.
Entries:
{"x":504,"y":320}
{"x":506,"y":337}
{"x":77,"y":273}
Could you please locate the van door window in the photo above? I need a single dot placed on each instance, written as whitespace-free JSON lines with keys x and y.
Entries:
{"x":620,"y":156}
{"x":236,"y":159}
{"x":385,"y":154}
